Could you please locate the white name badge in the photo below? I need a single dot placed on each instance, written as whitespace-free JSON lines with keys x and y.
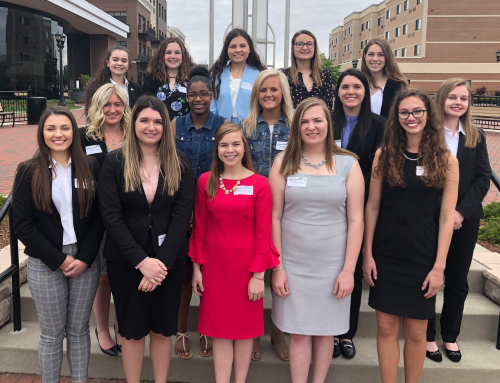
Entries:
{"x":93,"y":149}
{"x":338,"y":143}
{"x":84,"y":185}
{"x":246,"y":85}
{"x":420,"y":170}
{"x":182,"y":89}
{"x":244,"y":190}
{"x":300,"y":182}
{"x":281,"y":145}
{"x":161,"y":238}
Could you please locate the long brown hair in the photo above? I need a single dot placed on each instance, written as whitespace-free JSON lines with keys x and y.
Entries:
{"x":158,"y":68}
{"x":170,"y":164}
{"x":292,"y":154}
{"x":315,"y":60}
{"x":472,"y":134}
{"x":391,"y":68}
{"x":432,"y":151}
{"x":217,"y":167}
{"x":41,"y":184}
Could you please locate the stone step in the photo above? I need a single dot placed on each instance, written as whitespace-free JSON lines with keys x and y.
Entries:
{"x":480,"y":363}
{"x":480,"y":319}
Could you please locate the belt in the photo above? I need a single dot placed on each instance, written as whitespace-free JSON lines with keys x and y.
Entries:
{"x":404,"y":221}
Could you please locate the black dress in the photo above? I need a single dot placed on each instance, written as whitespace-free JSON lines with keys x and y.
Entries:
{"x":405,"y":246}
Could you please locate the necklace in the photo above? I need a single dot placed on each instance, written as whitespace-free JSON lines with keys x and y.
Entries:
{"x":234,"y":187}
{"x":307,"y":163}
{"x":412,"y":159}
{"x":114,"y":139}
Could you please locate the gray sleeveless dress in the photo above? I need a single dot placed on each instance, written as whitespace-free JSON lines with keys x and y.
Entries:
{"x":313,"y":245}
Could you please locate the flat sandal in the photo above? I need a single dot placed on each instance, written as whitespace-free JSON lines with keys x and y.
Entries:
{"x":184,"y":336}
{"x":206,"y":354}
{"x":256,"y":349}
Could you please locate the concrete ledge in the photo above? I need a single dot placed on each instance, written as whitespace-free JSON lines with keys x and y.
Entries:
{"x":6,"y":286}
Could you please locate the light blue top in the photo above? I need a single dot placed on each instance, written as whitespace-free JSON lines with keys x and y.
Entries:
{"x":350,"y":123}
{"x":223,"y":106}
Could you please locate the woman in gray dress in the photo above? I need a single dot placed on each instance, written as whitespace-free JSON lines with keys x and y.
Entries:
{"x":318,"y":194}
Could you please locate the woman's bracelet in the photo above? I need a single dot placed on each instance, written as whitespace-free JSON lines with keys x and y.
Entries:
{"x":278,"y":268}
{"x":260,"y":279}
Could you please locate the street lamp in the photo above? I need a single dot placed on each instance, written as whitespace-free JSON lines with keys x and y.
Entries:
{"x":355,"y":63}
{"x":60,"y":39}
{"x":138,"y":62}
{"x":54,"y":63}
{"x":498,"y":56}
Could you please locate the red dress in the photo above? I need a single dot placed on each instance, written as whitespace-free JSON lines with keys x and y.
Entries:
{"x":232,"y":240}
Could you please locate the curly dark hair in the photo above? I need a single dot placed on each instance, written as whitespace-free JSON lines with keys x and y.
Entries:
{"x":158,"y":68}
{"x":253,"y":58}
{"x":433,"y":153}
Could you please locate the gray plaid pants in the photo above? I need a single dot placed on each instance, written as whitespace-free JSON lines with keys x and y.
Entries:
{"x":63,"y":306}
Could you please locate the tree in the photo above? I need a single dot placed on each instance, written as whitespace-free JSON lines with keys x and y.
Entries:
{"x":333,"y":69}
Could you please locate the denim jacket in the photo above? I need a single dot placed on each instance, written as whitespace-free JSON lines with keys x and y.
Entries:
{"x":197,"y":144}
{"x":262,"y":149}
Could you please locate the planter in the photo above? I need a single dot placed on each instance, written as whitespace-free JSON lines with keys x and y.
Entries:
{"x":77,"y":96}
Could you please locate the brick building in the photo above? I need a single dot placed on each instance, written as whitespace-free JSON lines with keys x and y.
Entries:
{"x":431,"y":39}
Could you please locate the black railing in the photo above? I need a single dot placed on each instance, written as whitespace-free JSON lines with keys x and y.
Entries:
{"x":486,"y":122}
{"x":146,"y":32}
{"x":493,"y":101}
{"x":16,"y":102}
{"x":143,"y":60}
{"x":159,"y":39}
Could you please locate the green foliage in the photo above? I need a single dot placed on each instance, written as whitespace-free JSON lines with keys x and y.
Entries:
{"x":84,"y":80}
{"x":492,"y":211}
{"x":491,"y":229}
{"x":334,"y":70}
{"x":77,"y":90}
{"x":2,"y":199}
{"x":55,"y":102}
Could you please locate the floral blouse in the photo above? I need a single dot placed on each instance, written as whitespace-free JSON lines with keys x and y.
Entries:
{"x":174,"y":99}
{"x":300,"y":92}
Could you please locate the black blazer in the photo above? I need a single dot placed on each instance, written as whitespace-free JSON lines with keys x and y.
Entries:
{"x":134,"y":92}
{"x":128,"y":218}
{"x":475,"y":175}
{"x":89,"y":143}
{"x":42,"y":233}
{"x":391,"y":89}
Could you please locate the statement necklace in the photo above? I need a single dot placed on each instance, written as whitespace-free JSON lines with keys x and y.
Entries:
{"x":234,"y":187}
{"x":307,"y":163}
{"x":412,"y":159}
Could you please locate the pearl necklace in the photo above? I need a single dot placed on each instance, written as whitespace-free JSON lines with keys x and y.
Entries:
{"x":233,"y":188}
{"x":307,"y":163}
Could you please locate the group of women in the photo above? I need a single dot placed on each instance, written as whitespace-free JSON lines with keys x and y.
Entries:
{"x":212,"y":178}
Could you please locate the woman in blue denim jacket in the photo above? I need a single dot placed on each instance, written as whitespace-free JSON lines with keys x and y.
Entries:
{"x":267,"y":127}
{"x":194,"y":135}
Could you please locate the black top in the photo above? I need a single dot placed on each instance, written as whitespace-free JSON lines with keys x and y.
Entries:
{"x":91,"y":147}
{"x":299,"y":92}
{"x":174,"y":99}
{"x":390,"y":90}
{"x":129,"y":220}
{"x":42,"y":233}
{"x":134,"y":92}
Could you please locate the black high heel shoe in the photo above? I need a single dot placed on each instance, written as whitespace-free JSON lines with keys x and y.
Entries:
{"x":110,"y":351}
{"x":118,"y":346}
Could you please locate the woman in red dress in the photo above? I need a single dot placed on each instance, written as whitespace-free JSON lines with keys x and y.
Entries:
{"x":232,"y":240}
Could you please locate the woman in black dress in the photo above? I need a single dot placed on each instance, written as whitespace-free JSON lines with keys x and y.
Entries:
{"x":408,"y":229}
{"x":169,"y":73}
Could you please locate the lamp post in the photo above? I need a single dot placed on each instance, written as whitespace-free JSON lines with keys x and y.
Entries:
{"x":54,"y":62}
{"x":138,"y":62}
{"x":355,"y":63}
{"x":498,"y":56}
{"x":60,"y":39}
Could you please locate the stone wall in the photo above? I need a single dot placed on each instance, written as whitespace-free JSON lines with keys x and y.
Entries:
{"x":6,"y":286}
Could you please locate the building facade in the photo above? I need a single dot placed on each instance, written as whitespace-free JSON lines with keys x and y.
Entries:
{"x":432,"y":40}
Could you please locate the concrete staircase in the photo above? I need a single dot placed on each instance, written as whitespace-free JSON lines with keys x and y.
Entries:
{"x":481,"y":360}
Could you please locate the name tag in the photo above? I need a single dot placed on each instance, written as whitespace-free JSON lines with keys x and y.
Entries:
{"x":244,"y":190}
{"x":300,"y":182}
{"x":93,"y":149}
{"x":281,"y":145}
{"x":84,"y":185}
{"x":161,"y":238}
{"x":420,"y":170}
{"x":182,"y":89}
{"x":338,"y":143}
{"x":246,"y":85}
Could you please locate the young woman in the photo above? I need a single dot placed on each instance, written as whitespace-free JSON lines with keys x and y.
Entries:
{"x":360,"y":131}
{"x":146,"y":193}
{"x":318,"y":193}
{"x":267,"y":128}
{"x":109,"y":117}
{"x":170,"y":67}
{"x":195,"y":136}
{"x":232,"y":216}
{"x":57,"y":218}
{"x":380,"y":67}
{"x":113,"y":70}
{"x":305,"y":76}
{"x":405,"y":246}
{"x":468,"y":144}
{"x":232,"y":83}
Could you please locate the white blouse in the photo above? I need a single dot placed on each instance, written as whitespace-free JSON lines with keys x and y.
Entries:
{"x":376,"y":101}
{"x":234,"y":85}
{"x":63,"y":201}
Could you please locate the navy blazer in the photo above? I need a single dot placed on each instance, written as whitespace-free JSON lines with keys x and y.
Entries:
{"x":42,"y":233}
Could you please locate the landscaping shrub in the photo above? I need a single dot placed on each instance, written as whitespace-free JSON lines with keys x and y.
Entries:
{"x":2,"y":200}
{"x":490,"y":231}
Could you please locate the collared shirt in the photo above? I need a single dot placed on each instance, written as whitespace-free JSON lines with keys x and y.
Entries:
{"x":376,"y":101}
{"x":349,"y":125}
{"x":124,"y":87}
{"x":452,"y":140}
{"x":62,"y":198}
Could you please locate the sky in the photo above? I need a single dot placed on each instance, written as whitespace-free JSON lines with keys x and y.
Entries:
{"x":318,"y":16}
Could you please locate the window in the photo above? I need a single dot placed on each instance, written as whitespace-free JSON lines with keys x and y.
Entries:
{"x":350,"y":30}
{"x":418,"y":24}
{"x":335,"y":54}
{"x":366,"y":41}
{"x":398,"y":9}
{"x":121,"y":16}
{"x":362,"y":27}
{"x":405,"y":29}
{"x":388,"y":14}
{"x":46,"y":34}
{"x":25,"y":21}
{"x":416,"y":50}
{"x":396,"y":53}
{"x":367,"y":24}
{"x":419,"y":2}
{"x":140,"y":19}
{"x":336,"y":40}
{"x":407,"y":4}
{"x":362,"y":44}
{"x":47,"y":49}
{"x":379,"y":21}
{"x":144,"y":49}
{"x":148,"y":51}
{"x":387,"y":35}
{"x":140,"y":48}
{"x":398,"y":31}
{"x":403,"y":51}
{"x":121,"y":43}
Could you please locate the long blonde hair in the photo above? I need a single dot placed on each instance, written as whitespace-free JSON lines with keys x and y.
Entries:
{"x":250,"y":122}
{"x":391,"y":68}
{"x":95,"y":128}
{"x":170,"y":165}
{"x":292,"y":154}
{"x":472,"y":134}
{"x":315,"y":60}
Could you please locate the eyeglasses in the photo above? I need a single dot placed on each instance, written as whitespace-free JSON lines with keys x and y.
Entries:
{"x":203,"y":95}
{"x":416,"y":113}
{"x":301,"y":44}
